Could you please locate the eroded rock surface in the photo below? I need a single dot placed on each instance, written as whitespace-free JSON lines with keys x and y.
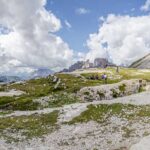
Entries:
{"x":110,"y":91}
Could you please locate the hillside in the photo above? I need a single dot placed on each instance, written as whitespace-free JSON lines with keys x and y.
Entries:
{"x":143,"y":63}
{"x":74,"y":111}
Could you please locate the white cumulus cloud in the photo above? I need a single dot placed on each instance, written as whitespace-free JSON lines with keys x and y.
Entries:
{"x":27,"y":37}
{"x":146,"y":6}
{"x":122,"y":38}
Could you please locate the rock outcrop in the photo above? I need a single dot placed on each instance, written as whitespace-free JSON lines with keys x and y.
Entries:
{"x":111,"y":91}
{"x":98,"y":62}
{"x":101,"y":62}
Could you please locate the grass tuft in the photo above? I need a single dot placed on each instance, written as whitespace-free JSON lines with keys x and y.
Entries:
{"x":28,"y":126}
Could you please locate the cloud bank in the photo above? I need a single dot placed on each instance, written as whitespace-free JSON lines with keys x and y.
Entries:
{"x":27,"y":37}
{"x":122,"y":38}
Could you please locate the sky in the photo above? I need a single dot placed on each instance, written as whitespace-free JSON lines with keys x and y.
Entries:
{"x":56,"y":33}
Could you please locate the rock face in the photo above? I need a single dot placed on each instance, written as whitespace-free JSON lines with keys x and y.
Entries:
{"x":111,"y":91}
{"x":144,"y":144}
{"x":98,"y":62}
{"x":87,"y":64}
{"x":143,"y":63}
{"x":77,"y":65}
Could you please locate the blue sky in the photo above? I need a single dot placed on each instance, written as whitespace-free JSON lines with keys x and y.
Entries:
{"x":85,"y":24}
{"x":55,"y":34}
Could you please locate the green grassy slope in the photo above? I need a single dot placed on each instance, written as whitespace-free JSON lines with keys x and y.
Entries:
{"x":65,"y":93}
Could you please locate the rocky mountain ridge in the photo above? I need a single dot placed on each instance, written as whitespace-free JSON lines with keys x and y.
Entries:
{"x":98,"y":62}
{"x":39,"y":73}
{"x":7,"y":79}
{"x":143,"y":63}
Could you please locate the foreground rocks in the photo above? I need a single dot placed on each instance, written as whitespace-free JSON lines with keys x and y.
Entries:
{"x":144,"y":144}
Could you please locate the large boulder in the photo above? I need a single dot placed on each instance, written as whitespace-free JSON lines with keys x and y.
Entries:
{"x":111,"y":91}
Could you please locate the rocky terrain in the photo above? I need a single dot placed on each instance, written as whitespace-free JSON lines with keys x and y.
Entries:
{"x":115,"y":132}
{"x":98,"y":62}
{"x":73,"y":111}
{"x":110,"y":91}
{"x":11,"y":93}
{"x":143,"y":63}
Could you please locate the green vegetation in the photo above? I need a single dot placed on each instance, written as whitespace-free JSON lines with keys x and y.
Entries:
{"x":5,"y":112}
{"x":100,"y":80}
{"x":27,"y":103}
{"x":2,"y":88}
{"x":124,"y":74}
{"x":115,"y":94}
{"x":141,"y":89}
{"x":128,"y":73}
{"x":66,"y":93}
{"x":103,"y":112}
{"x":5,"y":100}
{"x":122,"y":88}
{"x":120,"y":91}
{"x":70,"y":84}
{"x":23,"y":103}
{"x":29,"y":126}
{"x":87,"y":93}
{"x":127,"y":132}
{"x":35,"y":87}
{"x":74,"y":84}
{"x":101,"y":94}
{"x":18,"y":103}
{"x":60,"y":99}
